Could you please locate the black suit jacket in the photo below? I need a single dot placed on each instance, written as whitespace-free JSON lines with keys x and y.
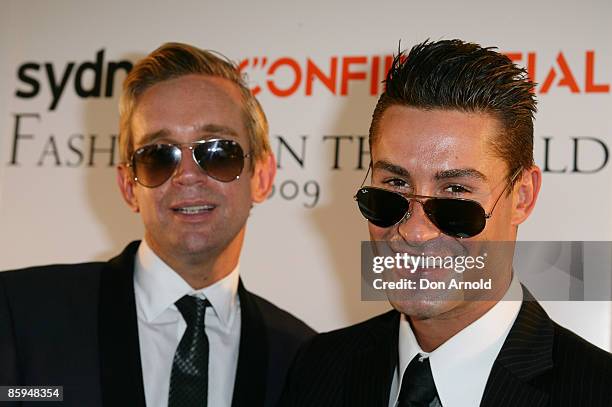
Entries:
{"x":76,"y":326}
{"x":540,"y":364}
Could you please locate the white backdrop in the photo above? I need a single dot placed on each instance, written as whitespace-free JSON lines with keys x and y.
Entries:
{"x":56,"y":207}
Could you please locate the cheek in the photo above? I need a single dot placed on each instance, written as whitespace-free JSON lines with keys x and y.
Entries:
{"x":239,"y":195}
{"x":499,"y":225}
{"x":378,"y":233}
{"x":149,"y":201}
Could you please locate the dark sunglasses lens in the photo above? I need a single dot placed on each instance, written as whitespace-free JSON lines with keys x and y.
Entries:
{"x":154,"y":164}
{"x":221,"y":159}
{"x":456,"y":217}
{"x":382,"y":208}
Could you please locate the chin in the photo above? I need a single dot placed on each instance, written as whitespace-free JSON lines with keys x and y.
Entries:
{"x":424,"y":308}
{"x":195,"y":243}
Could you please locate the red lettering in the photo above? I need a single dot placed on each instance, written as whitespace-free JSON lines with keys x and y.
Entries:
{"x":531,"y":65}
{"x":388,"y":64}
{"x":589,"y":83}
{"x":567,"y":79}
{"x":313,"y":71}
{"x":515,"y":56}
{"x":291,"y":63}
{"x":347,"y":74}
{"x":374,"y":80}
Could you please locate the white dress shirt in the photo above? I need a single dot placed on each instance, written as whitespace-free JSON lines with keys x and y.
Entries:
{"x":160,"y":328}
{"x":461,"y":365}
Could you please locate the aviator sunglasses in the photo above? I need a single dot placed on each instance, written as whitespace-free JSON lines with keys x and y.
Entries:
{"x":154,"y":164}
{"x":456,"y":217}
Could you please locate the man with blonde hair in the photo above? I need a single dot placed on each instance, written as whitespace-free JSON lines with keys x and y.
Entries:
{"x":168,"y":322}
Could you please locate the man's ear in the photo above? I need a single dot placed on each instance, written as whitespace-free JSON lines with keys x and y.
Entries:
{"x":263,"y":178}
{"x":126,"y":185}
{"x":525,"y":194}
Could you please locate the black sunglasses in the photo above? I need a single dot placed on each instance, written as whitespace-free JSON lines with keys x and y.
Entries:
{"x":154,"y":164}
{"x":456,"y":217}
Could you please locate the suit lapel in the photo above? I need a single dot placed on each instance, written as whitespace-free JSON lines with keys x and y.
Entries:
{"x":252,"y":371}
{"x":525,"y":356}
{"x":371,"y":371}
{"x":120,"y":367}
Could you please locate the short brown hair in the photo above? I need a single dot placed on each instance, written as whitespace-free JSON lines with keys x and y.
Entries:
{"x":453,"y":74}
{"x":173,"y":60}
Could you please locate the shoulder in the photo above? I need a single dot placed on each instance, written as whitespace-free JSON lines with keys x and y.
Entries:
{"x":339,"y":346}
{"x":279,"y":321}
{"x":46,"y":293}
{"x":44,"y":278}
{"x":582,"y":373}
{"x":571,"y":351}
{"x":321,"y":370}
{"x":65,"y":277}
{"x":342,"y":343}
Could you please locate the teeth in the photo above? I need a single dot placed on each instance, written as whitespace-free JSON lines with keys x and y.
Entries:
{"x":190,"y":210}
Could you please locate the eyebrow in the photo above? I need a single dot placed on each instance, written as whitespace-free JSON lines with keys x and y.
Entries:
{"x":392,"y":168}
{"x":460,"y":173}
{"x":218,"y":129}
{"x":149,"y":138}
{"x":440,"y":175}
{"x":214,"y":129}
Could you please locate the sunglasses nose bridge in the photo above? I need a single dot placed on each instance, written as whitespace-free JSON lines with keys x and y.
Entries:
{"x":416,"y":224}
{"x":187,"y":169}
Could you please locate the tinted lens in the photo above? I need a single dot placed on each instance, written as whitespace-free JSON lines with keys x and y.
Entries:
{"x":221,"y":159}
{"x":382,"y":208}
{"x":155,"y":163}
{"x":456,"y":217}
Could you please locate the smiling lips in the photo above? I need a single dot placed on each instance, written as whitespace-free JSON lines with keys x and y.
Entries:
{"x":194,"y":209}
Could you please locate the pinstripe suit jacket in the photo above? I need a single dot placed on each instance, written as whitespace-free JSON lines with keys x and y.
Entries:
{"x":540,"y":364}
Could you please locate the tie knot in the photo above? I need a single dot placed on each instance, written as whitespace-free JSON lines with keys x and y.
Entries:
{"x":192,"y":309}
{"x":418,"y":387}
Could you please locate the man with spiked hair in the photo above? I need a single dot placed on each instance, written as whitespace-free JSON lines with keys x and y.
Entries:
{"x":452,"y":167}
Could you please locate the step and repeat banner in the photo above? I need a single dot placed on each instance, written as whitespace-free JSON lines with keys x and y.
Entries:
{"x":317,"y":68}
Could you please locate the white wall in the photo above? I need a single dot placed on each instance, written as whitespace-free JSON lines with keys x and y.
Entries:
{"x":304,"y":259}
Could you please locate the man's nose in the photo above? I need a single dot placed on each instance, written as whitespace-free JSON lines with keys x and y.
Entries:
{"x":417,"y":227}
{"x":188,"y":171}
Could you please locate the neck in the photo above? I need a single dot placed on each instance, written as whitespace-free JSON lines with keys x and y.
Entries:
{"x":434,"y":331}
{"x":203,"y":268}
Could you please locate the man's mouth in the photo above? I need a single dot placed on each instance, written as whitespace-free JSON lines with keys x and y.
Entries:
{"x":194,"y":210}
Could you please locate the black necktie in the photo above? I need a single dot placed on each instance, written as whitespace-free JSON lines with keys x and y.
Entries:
{"x":189,"y":379}
{"x":418,"y":387}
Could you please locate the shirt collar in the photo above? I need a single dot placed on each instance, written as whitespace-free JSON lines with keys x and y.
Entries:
{"x":468,"y":355}
{"x":157,"y":287}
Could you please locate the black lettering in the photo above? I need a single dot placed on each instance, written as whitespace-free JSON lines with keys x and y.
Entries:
{"x":57,"y":89}
{"x":605,"y":156}
{"x":30,"y":80}
{"x":77,"y":151}
{"x":308,"y":191}
{"x":50,"y":149}
{"x":113,"y":67}
{"x":547,"y":155}
{"x":337,"y":140}
{"x":363,"y":151}
{"x":96,"y":68}
{"x":17,"y":135}
{"x":294,"y":190}
{"x":298,"y":159}
{"x":93,"y":150}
